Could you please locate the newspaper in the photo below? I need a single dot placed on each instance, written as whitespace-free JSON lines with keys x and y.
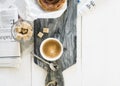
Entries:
{"x":9,"y":48}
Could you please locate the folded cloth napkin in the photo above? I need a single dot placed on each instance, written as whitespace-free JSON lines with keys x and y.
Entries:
{"x":30,"y":10}
{"x":6,"y":3}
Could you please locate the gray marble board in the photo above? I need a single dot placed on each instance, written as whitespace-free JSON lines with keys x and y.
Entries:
{"x":62,"y":28}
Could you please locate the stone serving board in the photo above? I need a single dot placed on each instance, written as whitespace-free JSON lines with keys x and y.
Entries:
{"x":62,"y":28}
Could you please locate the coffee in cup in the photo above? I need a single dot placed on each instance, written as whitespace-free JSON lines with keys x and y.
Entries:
{"x":51,"y":49}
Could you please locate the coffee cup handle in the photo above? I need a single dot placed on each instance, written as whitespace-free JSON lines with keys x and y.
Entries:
{"x":54,"y":78}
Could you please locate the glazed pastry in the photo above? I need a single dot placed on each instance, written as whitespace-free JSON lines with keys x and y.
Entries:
{"x":51,"y":5}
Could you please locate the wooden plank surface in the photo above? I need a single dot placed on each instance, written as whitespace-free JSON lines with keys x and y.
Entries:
{"x":101,"y":45}
{"x":20,"y":76}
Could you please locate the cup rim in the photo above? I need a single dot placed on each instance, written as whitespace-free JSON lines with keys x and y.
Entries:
{"x":48,"y":58}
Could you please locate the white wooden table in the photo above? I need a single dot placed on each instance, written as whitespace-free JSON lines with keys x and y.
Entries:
{"x":98,"y":53}
{"x":101,"y":45}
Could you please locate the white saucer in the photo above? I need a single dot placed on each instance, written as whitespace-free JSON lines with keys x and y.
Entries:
{"x":30,"y":10}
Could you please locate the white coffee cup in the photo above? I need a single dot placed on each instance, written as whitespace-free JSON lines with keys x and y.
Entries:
{"x":51,"y":49}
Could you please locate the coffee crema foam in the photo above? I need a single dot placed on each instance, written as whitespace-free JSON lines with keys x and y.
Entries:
{"x":51,"y":48}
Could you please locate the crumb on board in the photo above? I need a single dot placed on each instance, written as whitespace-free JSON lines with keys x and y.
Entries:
{"x":40,"y":34}
{"x":45,"y":30}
